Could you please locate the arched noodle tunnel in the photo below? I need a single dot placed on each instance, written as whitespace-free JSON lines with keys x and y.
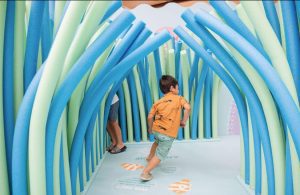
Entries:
{"x":62,"y":62}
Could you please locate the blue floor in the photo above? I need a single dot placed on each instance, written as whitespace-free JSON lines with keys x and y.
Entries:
{"x":192,"y":167}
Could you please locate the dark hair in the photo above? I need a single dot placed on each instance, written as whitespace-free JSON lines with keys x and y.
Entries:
{"x":166,"y":82}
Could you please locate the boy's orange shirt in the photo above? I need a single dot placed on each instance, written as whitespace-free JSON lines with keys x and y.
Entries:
{"x":167,"y":112}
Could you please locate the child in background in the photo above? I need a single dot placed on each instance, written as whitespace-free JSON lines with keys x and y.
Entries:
{"x":167,"y":113}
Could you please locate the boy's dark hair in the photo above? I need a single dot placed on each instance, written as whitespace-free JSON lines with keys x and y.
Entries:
{"x":166,"y":82}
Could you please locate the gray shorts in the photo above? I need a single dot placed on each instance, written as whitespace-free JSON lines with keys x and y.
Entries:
{"x":113,"y":112}
{"x":164,"y":145}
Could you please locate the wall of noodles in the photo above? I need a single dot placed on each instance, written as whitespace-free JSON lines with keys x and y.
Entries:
{"x":62,"y":62}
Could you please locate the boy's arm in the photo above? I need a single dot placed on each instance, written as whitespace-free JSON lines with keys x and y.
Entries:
{"x":187,"y":110}
{"x":150,"y":122}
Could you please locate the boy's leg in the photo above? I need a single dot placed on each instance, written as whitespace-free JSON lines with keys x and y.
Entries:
{"x":151,"y":165}
{"x":152,"y":151}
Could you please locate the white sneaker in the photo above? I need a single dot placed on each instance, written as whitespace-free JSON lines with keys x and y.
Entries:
{"x":146,"y":177}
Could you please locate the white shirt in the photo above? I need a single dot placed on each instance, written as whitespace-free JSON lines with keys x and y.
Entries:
{"x":115,"y":99}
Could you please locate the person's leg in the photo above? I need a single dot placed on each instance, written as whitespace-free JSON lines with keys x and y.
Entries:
{"x":112,"y":135}
{"x":117,"y":131}
{"x":152,"y":151}
{"x":151,"y":165}
{"x":162,"y":149}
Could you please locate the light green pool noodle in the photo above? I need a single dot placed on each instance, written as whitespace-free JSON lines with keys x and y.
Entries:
{"x":19,"y":54}
{"x":141,"y":104}
{"x":282,"y":33}
{"x":45,"y":93}
{"x":163,"y":60}
{"x":27,"y":14}
{"x":215,"y":102}
{"x":171,"y":65}
{"x":264,"y":182}
{"x":4,"y":188}
{"x":59,"y":8}
{"x":152,"y":78}
{"x":56,"y":159}
{"x":185,"y":82}
{"x":39,"y":59}
{"x":279,"y":61}
{"x":128,"y":108}
{"x":85,"y":33}
{"x":169,"y":44}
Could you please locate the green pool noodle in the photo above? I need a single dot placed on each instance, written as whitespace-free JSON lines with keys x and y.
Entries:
{"x":85,"y":33}
{"x":169,"y":44}
{"x":171,"y":65}
{"x":141,"y":105}
{"x":163,"y":60}
{"x":282,"y":33}
{"x":56,"y":159}
{"x":45,"y":93}
{"x":185,"y":82}
{"x":264,"y":182}
{"x":4,"y":187}
{"x":27,"y":13}
{"x":19,"y":54}
{"x":152,"y":78}
{"x":128,"y":111}
{"x":39,"y":59}
{"x":59,"y":8}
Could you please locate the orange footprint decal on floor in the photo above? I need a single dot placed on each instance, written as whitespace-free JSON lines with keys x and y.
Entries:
{"x":181,"y":187}
{"x":132,"y":167}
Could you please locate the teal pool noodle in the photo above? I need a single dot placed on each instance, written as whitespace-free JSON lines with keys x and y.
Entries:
{"x":207,"y":105}
{"x":62,"y":171}
{"x":291,"y":31}
{"x":270,"y":10}
{"x":33,"y":41}
{"x":194,"y":70}
{"x":8,"y":85}
{"x":122,"y":114}
{"x":46,"y":34}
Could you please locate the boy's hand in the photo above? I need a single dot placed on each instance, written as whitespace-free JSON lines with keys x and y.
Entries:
{"x":182,"y":124}
{"x":150,"y":131}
